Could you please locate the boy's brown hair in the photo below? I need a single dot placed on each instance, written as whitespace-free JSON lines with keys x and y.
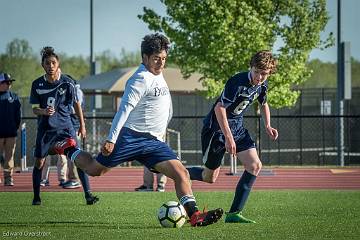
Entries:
{"x":264,"y":60}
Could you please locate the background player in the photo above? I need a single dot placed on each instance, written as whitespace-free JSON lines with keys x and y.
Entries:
{"x":52,"y":97}
{"x":10,"y":112}
{"x":148,"y":181}
{"x":223,"y":130}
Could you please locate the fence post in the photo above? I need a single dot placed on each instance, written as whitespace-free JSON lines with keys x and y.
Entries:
{"x":233,"y":164}
{"x":179,"y":144}
{"x":23,"y":148}
{"x":93,"y":148}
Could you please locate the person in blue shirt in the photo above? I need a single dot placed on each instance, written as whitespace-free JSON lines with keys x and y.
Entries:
{"x":52,"y":98}
{"x":10,"y":112}
{"x":138,"y":130}
{"x":223,"y":130}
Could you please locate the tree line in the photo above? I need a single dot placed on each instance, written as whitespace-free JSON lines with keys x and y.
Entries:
{"x":324,"y":74}
{"x":24,"y":65}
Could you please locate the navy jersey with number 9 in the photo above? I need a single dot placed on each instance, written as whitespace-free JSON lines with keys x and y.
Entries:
{"x":60,"y":95}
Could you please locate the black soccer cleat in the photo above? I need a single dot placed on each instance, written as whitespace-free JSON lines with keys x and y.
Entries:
{"x":36,"y":201}
{"x":91,"y":199}
{"x":144,"y":188}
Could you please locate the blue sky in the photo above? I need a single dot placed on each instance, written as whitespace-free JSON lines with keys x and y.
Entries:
{"x":65,"y":25}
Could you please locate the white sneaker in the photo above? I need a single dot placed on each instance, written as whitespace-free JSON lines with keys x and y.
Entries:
{"x":44,"y":183}
{"x":160,"y":188}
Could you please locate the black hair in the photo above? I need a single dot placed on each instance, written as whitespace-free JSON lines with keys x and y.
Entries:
{"x":154,"y":43}
{"x":48,"y":52}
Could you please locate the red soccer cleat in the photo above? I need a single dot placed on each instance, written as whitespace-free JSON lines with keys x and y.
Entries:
{"x":205,"y":218}
{"x":60,"y":146}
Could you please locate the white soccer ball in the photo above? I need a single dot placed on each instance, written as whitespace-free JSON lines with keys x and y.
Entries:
{"x":172,"y":215}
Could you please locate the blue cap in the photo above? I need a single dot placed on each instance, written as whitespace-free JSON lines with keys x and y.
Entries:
{"x":6,"y":77}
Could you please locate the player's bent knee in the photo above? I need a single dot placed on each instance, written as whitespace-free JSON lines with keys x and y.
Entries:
{"x":186,"y":172}
{"x":96,"y":169}
{"x":255,"y":168}
{"x":183,"y":174}
{"x":258,"y":167}
{"x":89,"y":165}
{"x":179,"y":175}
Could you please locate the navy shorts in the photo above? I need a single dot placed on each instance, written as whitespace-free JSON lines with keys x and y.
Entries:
{"x":142,"y":147}
{"x":46,"y":139}
{"x":213,"y":145}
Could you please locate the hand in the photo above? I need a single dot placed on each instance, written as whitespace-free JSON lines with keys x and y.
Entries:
{"x":107,"y":148}
{"x":49,"y":110}
{"x":272,"y":132}
{"x":82,"y":132}
{"x":230,"y":145}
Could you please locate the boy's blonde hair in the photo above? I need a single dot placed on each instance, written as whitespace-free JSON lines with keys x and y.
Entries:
{"x":264,"y":60}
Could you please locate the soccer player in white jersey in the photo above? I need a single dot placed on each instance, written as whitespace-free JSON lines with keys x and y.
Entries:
{"x":138,"y":130}
{"x":223,"y":130}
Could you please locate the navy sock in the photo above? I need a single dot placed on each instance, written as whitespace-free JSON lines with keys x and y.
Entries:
{"x":84,"y":179}
{"x":36,"y":178}
{"x":189,"y":204}
{"x":195,"y":173}
{"x":243,"y":189}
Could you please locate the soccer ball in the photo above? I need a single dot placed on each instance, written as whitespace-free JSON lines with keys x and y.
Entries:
{"x":172,"y":215}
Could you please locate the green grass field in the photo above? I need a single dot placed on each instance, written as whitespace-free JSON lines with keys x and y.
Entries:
{"x":130,"y":215}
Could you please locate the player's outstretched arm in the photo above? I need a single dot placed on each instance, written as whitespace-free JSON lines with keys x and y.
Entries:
{"x":272,"y":132}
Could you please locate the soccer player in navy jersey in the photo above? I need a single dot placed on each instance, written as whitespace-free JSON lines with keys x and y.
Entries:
{"x":52,"y":97}
{"x":223,"y":130}
{"x":138,"y":129}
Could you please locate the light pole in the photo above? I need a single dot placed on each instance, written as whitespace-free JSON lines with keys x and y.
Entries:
{"x":340,"y":91}
{"x":92,"y":58}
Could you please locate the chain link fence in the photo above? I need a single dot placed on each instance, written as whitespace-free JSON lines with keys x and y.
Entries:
{"x":303,"y":140}
{"x":307,"y":131}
